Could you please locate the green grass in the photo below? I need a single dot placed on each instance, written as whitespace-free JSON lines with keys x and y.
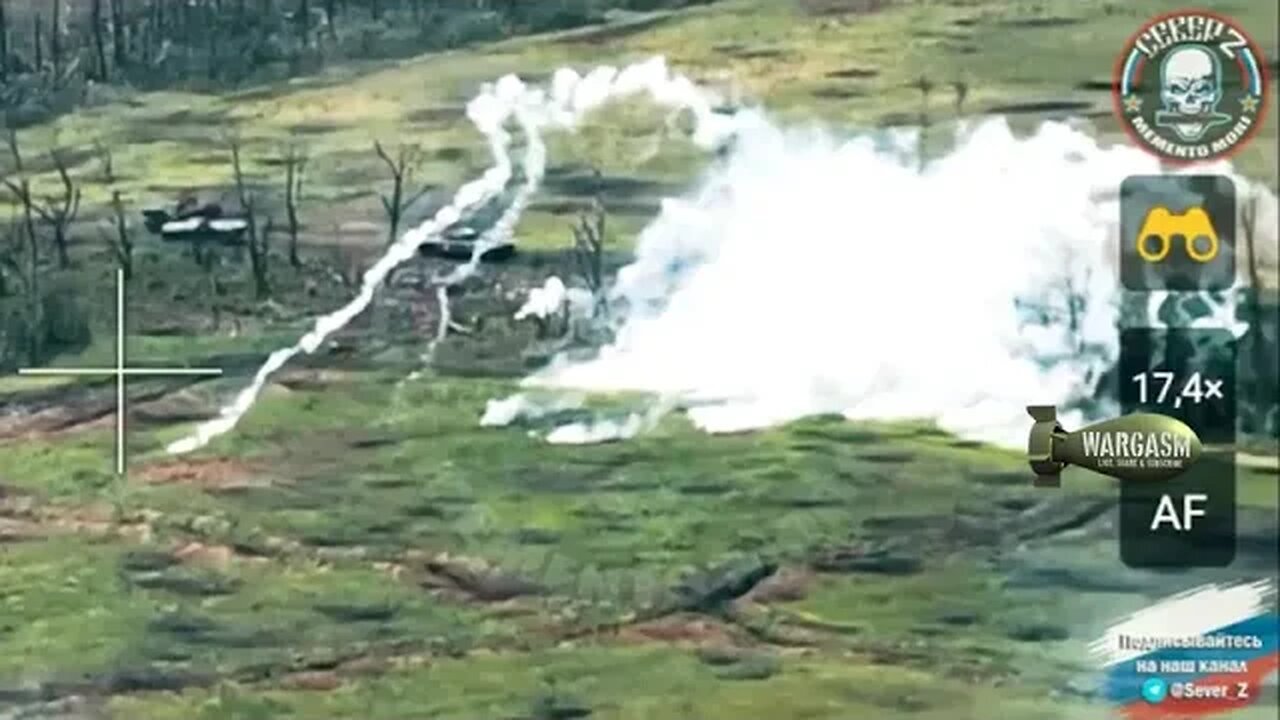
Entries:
{"x":336,"y":481}
{"x":627,"y":684}
{"x":608,"y":520}
{"x":775,"y":53}
{"x":66,"y":611}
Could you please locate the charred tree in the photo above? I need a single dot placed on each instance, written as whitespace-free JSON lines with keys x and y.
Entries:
{"x":212,"y":31}
{"x":60,"y":211}
{"x":21,"y":189}
{"x":121,"y":241}
{"x":588,"y":250}
{"x":258,"y":239}
{"x":302,"y":20}
{"x":11,"y":245}
{"x":4,"y":41}
{"x":961,"y":89}
{"x":295,"y":163}
{"x":119,"y":36}
{"x":37,"y":40}
{"x":401,"y":168}
{"x":55,"y":40}
{"x":96,"y":22}
{"x":331,"y":18}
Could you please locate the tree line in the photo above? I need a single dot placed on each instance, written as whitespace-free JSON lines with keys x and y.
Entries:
{"x":55,"y":53}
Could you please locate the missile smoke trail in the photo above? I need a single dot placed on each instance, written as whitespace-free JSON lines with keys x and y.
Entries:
{"x":564,"y":104}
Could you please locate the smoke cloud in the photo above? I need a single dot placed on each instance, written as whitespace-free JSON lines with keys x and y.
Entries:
{"x":812,"y":274}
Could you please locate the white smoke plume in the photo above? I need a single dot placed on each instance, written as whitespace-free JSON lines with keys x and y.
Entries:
{"x":526,"y":407}
{"x":601,"y":429}
{"x":569,"y":98}
{"x":811,"y":274}
{"x":545,"y":301}
{"x":814,"y":274}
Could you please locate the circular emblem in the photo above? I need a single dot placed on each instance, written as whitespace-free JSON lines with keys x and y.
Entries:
{"x":1190,"y":86}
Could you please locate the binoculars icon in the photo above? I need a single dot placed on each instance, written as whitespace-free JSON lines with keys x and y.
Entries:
{"x":1161,"y":226}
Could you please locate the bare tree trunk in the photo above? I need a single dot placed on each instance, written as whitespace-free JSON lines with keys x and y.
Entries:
{"x":393,"y":204}
{"x":4,"y":41}
{"x":38,"y":41}
{"x":295,"y":164}
{"x":207,"y":261}
{"x":589,"y":240}
{"x":55,"y":39}
{"x":161,"y":20}
{"x":59,"y":213}
{"x":34,"y":307}
{"x":123,"y":243}
{"x":119,"y":38}
{"x":155,"y":31}
{"x":401,"y":167}
{"x":211,"y":42}
{"x":21,"y":189}
{"x":99,"y":43}
{"x":331,"y":18}
{"x":303,"y":20}
{"x":259,"y":247}
{"x":259,"y":242}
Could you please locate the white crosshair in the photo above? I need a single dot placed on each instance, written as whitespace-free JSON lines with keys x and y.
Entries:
{"x":120,"y":371}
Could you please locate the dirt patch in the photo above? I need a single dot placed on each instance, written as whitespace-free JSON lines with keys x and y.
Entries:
{"x":178,"y":407}
{"x":23,"y":518}
{"x":314,"y":128}
{"x":788,"y":584}
{"x":310,"y":379}
{"x":14,"y":530}
{"x":52,"y":420}
{"x":838,"y":93}
{"x":218,"y":557}
{"x":475,"y":578}
{"x":843,"y":7}
{"x":680,"y":629}
{"x":314,"y":680}
{"x":209,"y":474}
{"x":73,"y":407}
{"x":635,"y":208}
{"x":615,"y":31}
{"x":450,"y":154}
{"x":586,"y":184}
{"x":853,"y":73}
{"x":1041,"y":22}
{"x":1096,"y":85}
{"x":438,"y":115}
{"x":1041,"y":106}
{"x":743,"y":52}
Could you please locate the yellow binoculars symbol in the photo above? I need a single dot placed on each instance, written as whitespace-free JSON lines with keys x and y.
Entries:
{"x":1161,"y":226}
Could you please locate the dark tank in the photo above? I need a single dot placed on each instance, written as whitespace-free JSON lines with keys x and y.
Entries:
{"x":458,"y":241}
{"x":191,"y":221}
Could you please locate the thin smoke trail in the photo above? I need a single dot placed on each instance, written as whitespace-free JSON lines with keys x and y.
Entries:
{"x":534,"y":166}
{"x":570,"y":97}
{"x":471,"y":194}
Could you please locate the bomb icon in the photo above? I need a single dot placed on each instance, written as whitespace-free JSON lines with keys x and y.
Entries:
{"x":1143,"y":447}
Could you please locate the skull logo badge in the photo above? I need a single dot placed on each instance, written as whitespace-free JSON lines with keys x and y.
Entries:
{"x":1190,"y":89}
{"x":1190,"y":86}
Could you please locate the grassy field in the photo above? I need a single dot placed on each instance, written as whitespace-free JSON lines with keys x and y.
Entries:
{"x":851,"y":71}
{"x":360,"y":548}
